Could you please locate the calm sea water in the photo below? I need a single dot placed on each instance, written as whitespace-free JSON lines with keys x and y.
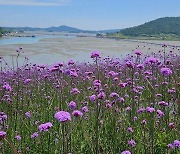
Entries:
{"x":29,"y":40}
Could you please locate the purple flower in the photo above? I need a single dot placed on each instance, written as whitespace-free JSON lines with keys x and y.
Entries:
{"x":176,"y":143}
{"x":115,"y":79}
{"x":95,"y":54}
{"x":166,"y":71}
{"x":28,"y":114}
{"x":138,"y":52}
{"x":63,"y":116}
{"x":92,"y":98}
{"x":122,"y":85}
{"x":84,"y":109}
{"x":130,"y":64}
{"x":53,"y":69}
{"x":140,"y":110}
{"x":36,"y":122}
{"x":97,"y":83}
{"x":170,"y":146}
{"x":7,"y":87}
{"x":121,"y":99}
{"x":140,"y":66}
{"x":27,"y":81}
{"x":45,"y":127}
{"x":113,"y":94}
{"x":135,"y":118}
{"x":74,"y":91}
{"x":160,"y":113}
{"x":18,"y":137}
{"x":3,"y":116}
{"x":132,"y":143}
{"x":130,"y":130}
{"x":71,"y":62}
{"x":2,"y":134}
{"x":163,"y":103}
{"x":77,"y":113}
{"x":143,"y":122}
{"x":171,"y":125}
{"x":158,"y":95}
{"x":126,"y":152}
{"x":108,"y":105}
{"x":152,"y":60}
{"x":150,"y":109}
{"x":72,"y":105}
{"x":73,"y":74}
{"x":171,"y":91}
{"x":128,"y":108}
{"x":111,"y":73}
{"x":35,"y":135}
{"x":101,"y":95}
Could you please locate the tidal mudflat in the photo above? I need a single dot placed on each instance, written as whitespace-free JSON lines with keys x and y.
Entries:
{"x":50,"y":50}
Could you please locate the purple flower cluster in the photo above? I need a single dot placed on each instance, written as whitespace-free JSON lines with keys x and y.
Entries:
{"x":35,"y":135}
{"x":150,"y":109}
{"x":2,"y":134}
{"x":84,"y":109}
{"x":138,"y":52}
{"x":113,"y":95}
{"x":77,"y":113}
{"x":72,"y":105}
{"x":132,"y":143}
{"x":166,"y":71}
{"x":126,"y":152}
{"x":63,"y":116}
{"x":3,"y":117}
{"x":176,"y":144}
{"x":45,"y":127}
{"x":92,"y":98}
{"x":28,"y":114}
{"x":95,"y":54}
{"x":7,"y":87}
{"x":18,"y":137}
{"x":152,"y":60}
{"x":96,"y":100}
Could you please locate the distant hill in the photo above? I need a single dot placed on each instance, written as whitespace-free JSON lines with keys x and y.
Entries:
{"x":166,"y":25}
{"x":62,"y":28}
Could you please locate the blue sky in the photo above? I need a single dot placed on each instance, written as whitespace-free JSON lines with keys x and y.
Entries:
{"x":85,"y":14}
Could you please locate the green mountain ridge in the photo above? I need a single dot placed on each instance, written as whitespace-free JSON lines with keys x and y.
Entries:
{"x":166,"y":25}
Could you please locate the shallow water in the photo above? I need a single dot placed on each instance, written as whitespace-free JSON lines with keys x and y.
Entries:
{"x":29,"y":40}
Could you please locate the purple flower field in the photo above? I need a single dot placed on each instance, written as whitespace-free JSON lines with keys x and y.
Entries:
{"x":111,"y":106}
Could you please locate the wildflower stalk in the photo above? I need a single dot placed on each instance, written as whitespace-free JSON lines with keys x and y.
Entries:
{"x":97,"y":117}
{"x":133,"y":102}
{"x":11,"y":146}
{"x":49,"y":138}
{"x":63,"y":139}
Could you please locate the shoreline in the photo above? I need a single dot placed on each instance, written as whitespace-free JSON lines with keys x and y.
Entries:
{"x":146,"y":41}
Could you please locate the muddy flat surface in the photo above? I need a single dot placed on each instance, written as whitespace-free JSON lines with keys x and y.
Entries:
{"x":51,"y":50}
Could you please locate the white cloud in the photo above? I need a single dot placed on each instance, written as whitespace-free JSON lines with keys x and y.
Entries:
{"x":35,"y":2}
